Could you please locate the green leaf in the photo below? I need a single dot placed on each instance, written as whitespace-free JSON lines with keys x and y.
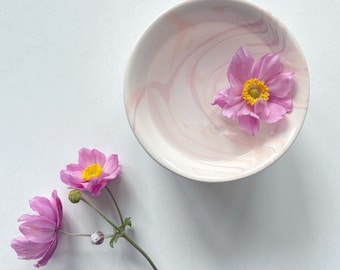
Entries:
{"x":127,"y":222}
{"x":116,"y":238}
{"x":112,"y":241}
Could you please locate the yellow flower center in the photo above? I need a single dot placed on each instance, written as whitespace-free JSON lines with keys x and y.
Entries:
{"x":254,"y":90}
{"x":92,"y":171}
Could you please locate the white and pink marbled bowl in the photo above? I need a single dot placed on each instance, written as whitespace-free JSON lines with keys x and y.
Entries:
{"x":176,"y":69}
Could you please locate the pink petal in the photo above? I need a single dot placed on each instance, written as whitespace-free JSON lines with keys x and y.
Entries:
{"x":232,"y":111}
{"x":249,"y":123}
{"x":114,"y":174}
{"x":260,"y":106}
{"x":95,"y":186}
{"x":240,"y":67}
{"x":28,"y":250}
{"x":43,"y":207}
{"x":234,"y":96}
{"x":112,"y":165}
{"x":74,"y":167}
{"x":267,"y":67}
{"x":286,"y":103}
{"x":40,"y":230}
{"x":86,"y":157}
{"x":48,"y":254}
{"x":73,"y":179}
{"x":77,"y":176}
{"x":229,"y":96}
{"x":270,"y":112}
{"x":282,"y":85}
{"x":27,"y":217}
{"x":99,"y":157}
{"x":58,"y":208}
{"x":220,"y":98}
{"x":246,"y":109}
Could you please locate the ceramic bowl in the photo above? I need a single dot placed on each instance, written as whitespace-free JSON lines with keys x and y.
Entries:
{"x":177,"y":67}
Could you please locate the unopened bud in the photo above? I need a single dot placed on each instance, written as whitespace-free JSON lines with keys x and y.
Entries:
{"x":97,"y":238}
{"x":74,"y":196}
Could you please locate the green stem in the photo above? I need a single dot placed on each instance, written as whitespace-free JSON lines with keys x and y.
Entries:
{"x":74,"y":234}
{"x":135,"y":245}
{"x":108,"y":235}
{"x":120,"y":231}
{"x":100,"y":213}
{"x":83,"y":234}
{"x":116,"y":205}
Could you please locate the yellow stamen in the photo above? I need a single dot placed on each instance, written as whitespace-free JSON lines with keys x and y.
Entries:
{"x":254,"y":90}
{"x":92,"y":171}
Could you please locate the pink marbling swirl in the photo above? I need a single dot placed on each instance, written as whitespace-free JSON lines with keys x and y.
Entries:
{"x":177,"y":68}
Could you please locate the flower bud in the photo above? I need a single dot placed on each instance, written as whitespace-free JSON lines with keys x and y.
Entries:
{"x":74,"y":196}
{"x":97,"y":238}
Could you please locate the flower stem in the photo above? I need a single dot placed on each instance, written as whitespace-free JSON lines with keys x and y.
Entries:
{"x":83,"y":234}
{"x":116,"y":205}
{"x":135,"y":245}
{"x":121,"y":232}
{"x":100,"y":213}
{"x":73,"y":234}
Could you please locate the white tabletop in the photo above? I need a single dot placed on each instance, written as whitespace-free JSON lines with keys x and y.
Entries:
{"x":62,"y":67}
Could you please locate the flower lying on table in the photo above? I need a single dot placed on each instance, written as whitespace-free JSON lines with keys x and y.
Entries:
{"x":41,"y":232}
{"x":258,"y":90}
{"x":92,"y":172}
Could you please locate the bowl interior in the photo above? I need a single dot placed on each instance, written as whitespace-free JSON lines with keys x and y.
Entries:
{"x":175,"y":71}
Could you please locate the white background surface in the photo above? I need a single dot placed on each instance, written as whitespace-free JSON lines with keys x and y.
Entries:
{"x":62,"y":65}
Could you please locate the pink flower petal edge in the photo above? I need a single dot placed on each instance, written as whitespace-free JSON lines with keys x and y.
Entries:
{"x":269,"y":69}
{"x":40,"y":232}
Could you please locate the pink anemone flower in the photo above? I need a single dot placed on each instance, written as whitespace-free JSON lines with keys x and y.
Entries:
{"x":259,"y":90}
{"x":92,"y":172}
{"x":40,"y":231}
